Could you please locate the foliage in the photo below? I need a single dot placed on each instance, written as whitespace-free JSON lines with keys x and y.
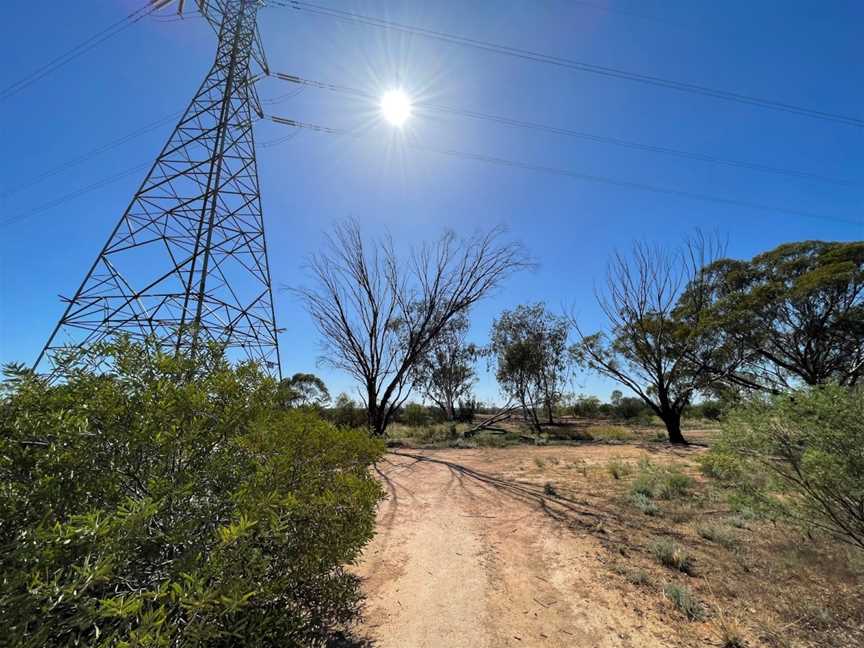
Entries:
{"x":414,"y":414}
{"x":467,"y":410}
{"x":619,"y":468}
{"x":303,"y":390}
{"x":583,"y":405}
{"x":662,"y":482}
{"x":444,"y":373}
{"x":644,"y":503}
{"x":708,"y":409}
{"x":610,"y":433}
{"x":797,"y":310}
{"x":722,"y":535}
{"x":345,"y":413}
{"x":671,"y":554}
{"x":685,"y":601}
{"x":530,"y":347}
{"x":378,"y":314}
{"x":629,"y":408}
{"x":172,"y":502}
{"x":800,"y":456}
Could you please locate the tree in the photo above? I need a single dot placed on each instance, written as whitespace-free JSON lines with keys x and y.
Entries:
{"x":378,"y":315}
{"x":530,"y":346}
{"x":445,"y":373}
{"x":303,"y":390}
{"x":171,"y":501}
{"x":345,"y":412}
{"x":584,"y":405}
{"x":660,"y":342}
{"x":797,"y":311}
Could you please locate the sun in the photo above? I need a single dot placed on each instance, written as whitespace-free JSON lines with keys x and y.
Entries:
{"x":396,"y":107}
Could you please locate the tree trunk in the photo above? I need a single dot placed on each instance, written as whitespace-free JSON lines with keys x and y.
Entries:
{"x":673,"y":427}
{"x":375,"y":413}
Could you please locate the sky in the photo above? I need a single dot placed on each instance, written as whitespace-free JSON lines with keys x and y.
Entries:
{"x":804,"y":53}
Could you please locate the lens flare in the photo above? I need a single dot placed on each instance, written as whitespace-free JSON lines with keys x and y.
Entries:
{"x":396,"y":107}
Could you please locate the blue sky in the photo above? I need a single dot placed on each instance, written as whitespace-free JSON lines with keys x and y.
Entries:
{"x":799,"y":52}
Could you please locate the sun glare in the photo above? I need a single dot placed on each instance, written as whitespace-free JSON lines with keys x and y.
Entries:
{"x":396,"y":107}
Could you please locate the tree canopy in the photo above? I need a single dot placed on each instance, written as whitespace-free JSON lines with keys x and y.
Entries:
{"x":444,"y":373}
{"x":530,"y":347}
{"x":797,"y":313}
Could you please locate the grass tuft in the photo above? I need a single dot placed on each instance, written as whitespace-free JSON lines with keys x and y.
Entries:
{"x":685,"y":601}
{"x":611,"y":433}
{"x":718,"y":534}
{"x":618,"y":468}
{"x":644,"y":504}
{"x":633,"y":575}
{"x":671,"y":554}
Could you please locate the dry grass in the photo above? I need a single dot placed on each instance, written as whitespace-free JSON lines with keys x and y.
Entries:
{"x":661,"y":518}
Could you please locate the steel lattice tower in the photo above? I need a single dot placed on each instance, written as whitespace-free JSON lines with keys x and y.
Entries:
{"x":187,"y":262}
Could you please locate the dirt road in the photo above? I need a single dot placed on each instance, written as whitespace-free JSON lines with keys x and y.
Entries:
{"x":469,"y":554}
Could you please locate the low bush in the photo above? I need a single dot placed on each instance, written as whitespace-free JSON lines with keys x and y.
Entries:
{"x":414,"y":415}
{"x":721,"y":535}
{"x":632,"y":574}
{"x":618,"y":468}
{"x":611,"y":433}
{"x":800,"y":457}
{"x":661,"y":482}
{"x":671,"y":554}
{"x":644,"y":504}
{"x":168,"y":502}
{"x":685,"y":601}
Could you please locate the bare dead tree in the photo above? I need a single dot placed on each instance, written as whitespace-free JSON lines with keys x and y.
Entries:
{"x":378,"y":314}
{"x":660,"y":341}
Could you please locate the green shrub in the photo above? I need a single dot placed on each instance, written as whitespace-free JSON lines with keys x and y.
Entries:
{"x":632,"y":574}
{"x":618,"y":468}
{"x":685,"y":601}
{"x":414,"y":415}
{"x":644,"y":504}
{"x":671,"y":554}
{"x":660,"y":481}
{"x":722,"y":535}
{"x":611,"y":433}
{"x":673,"y":484}
{"x":800,"y":457}
{"x":172,"y":503}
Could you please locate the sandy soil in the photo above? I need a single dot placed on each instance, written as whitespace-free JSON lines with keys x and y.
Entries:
{"x":467,"y":554}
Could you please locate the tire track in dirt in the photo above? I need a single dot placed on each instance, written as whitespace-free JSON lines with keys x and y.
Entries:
{"x":459,"y":561}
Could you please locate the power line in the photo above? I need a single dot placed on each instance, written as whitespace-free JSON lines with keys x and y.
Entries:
{"x":508,"y":121}
{"x":539,"y":57}
{"x":84,"y":157}
{"x":517,"y":164}
{"x":61,"y":200}
{"x":79,"y":49}
{"x":51,"y":204}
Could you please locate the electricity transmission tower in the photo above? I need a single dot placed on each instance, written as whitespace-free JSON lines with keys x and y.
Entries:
{"x":187,"y":262}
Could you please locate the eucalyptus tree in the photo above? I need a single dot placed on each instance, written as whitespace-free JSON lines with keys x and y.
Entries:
{"x":445,"y":372}
{"x":797,"y":311}
{"x":529,"y":344}
{"x":303,"y":390}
